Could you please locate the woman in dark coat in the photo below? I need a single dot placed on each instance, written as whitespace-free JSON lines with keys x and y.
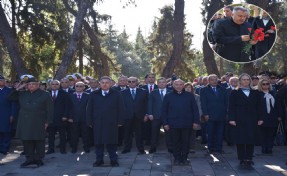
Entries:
{"x":269,"y":113}
{"x":243,"y":114}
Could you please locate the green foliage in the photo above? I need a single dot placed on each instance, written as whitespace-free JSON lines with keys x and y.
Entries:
{"x":160,"y":46}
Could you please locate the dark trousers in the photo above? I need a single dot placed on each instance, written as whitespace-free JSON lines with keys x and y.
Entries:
{"x":203,"y":132}
{"x":5,"y":140}
{"x":147,"y":127}
{"x":168,"y":140}
{"x":181,"y":140}
{"x":133,"y":125}
{"x":215,"y":130}
{"x":121,"y":133}
{"x":79,"y":129}
{"x":155,"y":131}
{"x":268,"y":136}
{"x":34,"y":149}
{"x":111,"y":148}
{"x":51,"y":136}
{"x":245,"y":151}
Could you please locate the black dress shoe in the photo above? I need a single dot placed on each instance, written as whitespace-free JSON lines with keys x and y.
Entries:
{"x":22,"y":153}
{"x":50,"y":151}
{"x":98,"y":163}
{"x":27,"y":163}
{"x":39,"y":163}
{"x":63,"y":151}
{"x":87,"y":150}
{"x":176,"y":162}
{"x":152,"y":150}
{"x":170,"y":151}
{"x":74,"y":151}
{"x":4,"y":153}
{"x":141,"y":152}
{"x":249,"y":163}
{"x":185,"y":162}
{"x":114,"y":163}
{"x":242,"y":162}
{"x":126,"y":151}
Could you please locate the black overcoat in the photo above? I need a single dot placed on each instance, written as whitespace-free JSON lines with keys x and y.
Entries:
{"x":227,"y":35}
{"x":245,"y":112}
{"x":105,"y":113}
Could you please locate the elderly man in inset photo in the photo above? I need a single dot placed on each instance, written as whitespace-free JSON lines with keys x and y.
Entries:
{"x":231,"y":36}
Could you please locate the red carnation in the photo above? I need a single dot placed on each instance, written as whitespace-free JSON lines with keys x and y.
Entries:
{"x":273,"y":28}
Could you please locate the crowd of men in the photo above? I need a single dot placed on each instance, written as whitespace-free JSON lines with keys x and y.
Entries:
{"x":107,"y":114}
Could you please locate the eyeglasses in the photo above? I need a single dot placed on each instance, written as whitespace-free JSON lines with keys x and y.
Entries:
{"x":79,"y":86}
{"x":265,"y":84}
{"x":132,"y":81}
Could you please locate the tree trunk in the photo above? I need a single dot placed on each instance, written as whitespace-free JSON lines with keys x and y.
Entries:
{"x":70,"y":51}
{"x":208,"y":58}
{"x":99,"y":53}
{"x":81,"y":54}
{"x":208,"y":54}
{"x":1,"y":61}
{"x":178,"y":40}
{"x":11,"y":44}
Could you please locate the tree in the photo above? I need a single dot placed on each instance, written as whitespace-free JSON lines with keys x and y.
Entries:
{"x":11,"y":43}
{"x":67,"y":57}
{"x":178,"y":42}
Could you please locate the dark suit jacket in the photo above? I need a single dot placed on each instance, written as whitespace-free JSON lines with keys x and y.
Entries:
{"x":61,"y":107}
{"x":214,"y":105}
{"x":227,"y":35}
{"x":245,"y":112}
{"x":105,"y":113}
{"x":135,"y":107}
{"x":118,"y":88}
{"x":145,"y":87}
{"x":78,"y":108}
{"x":155,"y":103}
{"x":7,"y":109}
{"x":262,"y":47}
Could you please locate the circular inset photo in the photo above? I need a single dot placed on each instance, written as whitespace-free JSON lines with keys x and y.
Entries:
{"x":241,"y":33}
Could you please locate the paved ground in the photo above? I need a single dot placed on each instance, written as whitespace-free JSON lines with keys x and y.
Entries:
{"x":157,"y":164}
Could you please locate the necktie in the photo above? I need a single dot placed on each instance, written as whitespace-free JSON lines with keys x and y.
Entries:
{"x":161,"y":94}
{"x":54,"y":95}
{"x":105,"y":93}
{"x":150,"y":88}
{"x":214,"y":90}
{"x":79,"y":97}
{"x":133,"y":94}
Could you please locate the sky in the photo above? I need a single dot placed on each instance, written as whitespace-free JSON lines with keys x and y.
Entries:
{"x":143,"y":15}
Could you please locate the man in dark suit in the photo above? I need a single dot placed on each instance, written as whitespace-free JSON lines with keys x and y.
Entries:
{"x":65,"y":86}
{"x":94,"y":85}
{"x":60,"y":101}
{"x":265,"y":22}
{"x":135,"y":100}
{"x":105,"y":112}
{"x":214,"y":109}
{"x":231,"y":35}
{"x":77,"y":117}
{"x":7,"y":115}
{"x":154,"y":111}
{"x":122,"y":85}
{"x":150,"y":86}
{"x":179,"y":115}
